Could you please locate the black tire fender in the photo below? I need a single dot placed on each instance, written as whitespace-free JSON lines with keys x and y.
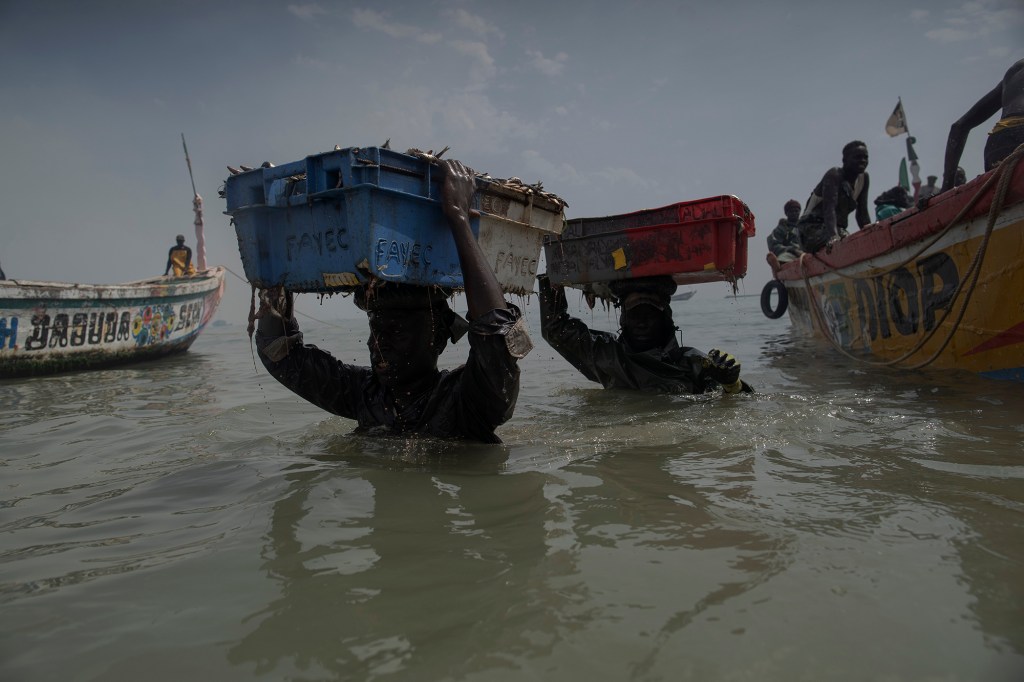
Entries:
{"x":766,"y":299}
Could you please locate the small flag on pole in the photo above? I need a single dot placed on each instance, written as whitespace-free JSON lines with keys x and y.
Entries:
{"x":904,"y":180}
{"x":897,"y":123}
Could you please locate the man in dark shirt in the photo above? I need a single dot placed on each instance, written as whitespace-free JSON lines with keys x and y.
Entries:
{"x":403,"y":391}
{"x":842,"y":190}
{"x":180,"y":258}
{"x":784,"y":241}
{"x":645,"y":355}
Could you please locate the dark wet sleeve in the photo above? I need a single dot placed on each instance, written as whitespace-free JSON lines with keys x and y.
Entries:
{"x":311,"y":373}
{"x":591,"y":352}
{"x":489,"y":386}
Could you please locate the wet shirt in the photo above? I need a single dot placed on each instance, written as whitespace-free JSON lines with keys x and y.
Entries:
{"x":606,"y":359}
{"x":846,"y":201}
{"x":785,"y":238}
{"x":468,"y":402}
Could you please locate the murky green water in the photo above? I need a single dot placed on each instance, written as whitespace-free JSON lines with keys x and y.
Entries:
{"x":191,"y":519}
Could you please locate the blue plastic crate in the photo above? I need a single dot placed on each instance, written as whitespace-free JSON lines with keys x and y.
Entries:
{"x":331,"y":221}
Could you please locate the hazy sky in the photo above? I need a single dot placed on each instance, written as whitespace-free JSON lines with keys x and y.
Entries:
{"x":615,"y":106}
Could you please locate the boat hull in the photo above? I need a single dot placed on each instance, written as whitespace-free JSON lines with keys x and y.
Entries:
{"x":52,"y":327}
{"x":941,"y":286}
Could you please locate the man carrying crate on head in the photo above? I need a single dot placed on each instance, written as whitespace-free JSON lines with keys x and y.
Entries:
{"x":403,"y":391}
{"x":645,"y":355}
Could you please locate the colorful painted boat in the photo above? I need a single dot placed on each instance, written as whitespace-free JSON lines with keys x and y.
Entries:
{"x":50,"y":327}
{"x":941,"y":286}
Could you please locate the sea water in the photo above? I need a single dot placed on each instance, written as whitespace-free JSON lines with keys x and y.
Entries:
{"x":191,"y":519}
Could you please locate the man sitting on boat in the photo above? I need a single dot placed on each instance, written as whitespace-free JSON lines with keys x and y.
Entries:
{"x":180,"y":258}
{"x":410,"y":326}
{"x":1006,"y":136}
{"x":841,"y":190}
{"x":645,"y":355}
{"x":784,"y":241}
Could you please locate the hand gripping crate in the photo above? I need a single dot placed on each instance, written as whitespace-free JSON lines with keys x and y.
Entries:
{"x":329,"y":222}
{"x":693,"y":241}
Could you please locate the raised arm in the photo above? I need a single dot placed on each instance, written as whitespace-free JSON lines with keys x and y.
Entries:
{"x":830,"y":200}
{"x":863,"y":216}
{"x":984,"y":108}
{"x":483,"y":293}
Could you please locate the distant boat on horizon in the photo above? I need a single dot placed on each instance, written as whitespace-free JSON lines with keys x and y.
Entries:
{"x":683,"y":296}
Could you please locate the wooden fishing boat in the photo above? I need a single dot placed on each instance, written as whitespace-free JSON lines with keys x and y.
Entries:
{"x":49,"y":327}
{"x":941,"y":286}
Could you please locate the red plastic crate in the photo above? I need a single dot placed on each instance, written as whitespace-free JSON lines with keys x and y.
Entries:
{"x":692,"y":241}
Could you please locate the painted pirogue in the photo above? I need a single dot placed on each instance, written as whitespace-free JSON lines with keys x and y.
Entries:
{"x":50,"y":327}
{"x":941,"y":286}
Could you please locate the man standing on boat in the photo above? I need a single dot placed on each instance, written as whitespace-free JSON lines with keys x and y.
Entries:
{"x":841,"y":190}
{"x":403,"y":391}
{"x":1008,"y":133}
{"x":180,"y":258}
{"x":645,"y":356}
{"x":784,"y":241}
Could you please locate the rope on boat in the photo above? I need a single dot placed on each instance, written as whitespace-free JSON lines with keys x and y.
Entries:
{"x":1002,"y":176}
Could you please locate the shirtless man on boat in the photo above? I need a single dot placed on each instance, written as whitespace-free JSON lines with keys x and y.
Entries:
{"x":1007,"y":134}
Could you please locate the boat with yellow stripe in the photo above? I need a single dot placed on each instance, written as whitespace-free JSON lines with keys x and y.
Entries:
{"x":941,"y":286}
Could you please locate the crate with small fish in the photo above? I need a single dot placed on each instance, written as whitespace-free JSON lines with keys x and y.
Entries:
{"x":704,"y":240}
{"x":331,"y":221}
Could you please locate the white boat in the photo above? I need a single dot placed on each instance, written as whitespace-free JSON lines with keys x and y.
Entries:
{"x":50,"y":327}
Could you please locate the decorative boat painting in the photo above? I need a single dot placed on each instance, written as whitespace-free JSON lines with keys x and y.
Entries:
{"x":49,"y":327}
{"x":941,"y":286}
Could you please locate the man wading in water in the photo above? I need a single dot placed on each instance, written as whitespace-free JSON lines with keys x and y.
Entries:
{"x":645,"y":355}
{"x":403,"y":391}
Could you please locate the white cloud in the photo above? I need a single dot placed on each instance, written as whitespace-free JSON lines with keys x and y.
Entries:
{"x":919,"y":15}
{"x":475,"y":24}
{"x":482,"y":63}
{"x":307,"y":11}
{"x":978,"y":19}
{"x":560,"y":174}
{"x":548,"y":66}
{"x":948,"y":35}
{"x":367,"y":18}
{"x":561,"y":111}
{"x":305,"y":61}
{"x":464,"y":121}
{"x":622,"y":177}
{"x":538,"y":169}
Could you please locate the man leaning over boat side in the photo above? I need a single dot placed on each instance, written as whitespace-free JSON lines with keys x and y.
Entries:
{"x":842,"y":190}
{"x":645,"y":355}
{"x":1006,"y":136}
{"x":403,"y":391}
{"x":180,"y":258}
